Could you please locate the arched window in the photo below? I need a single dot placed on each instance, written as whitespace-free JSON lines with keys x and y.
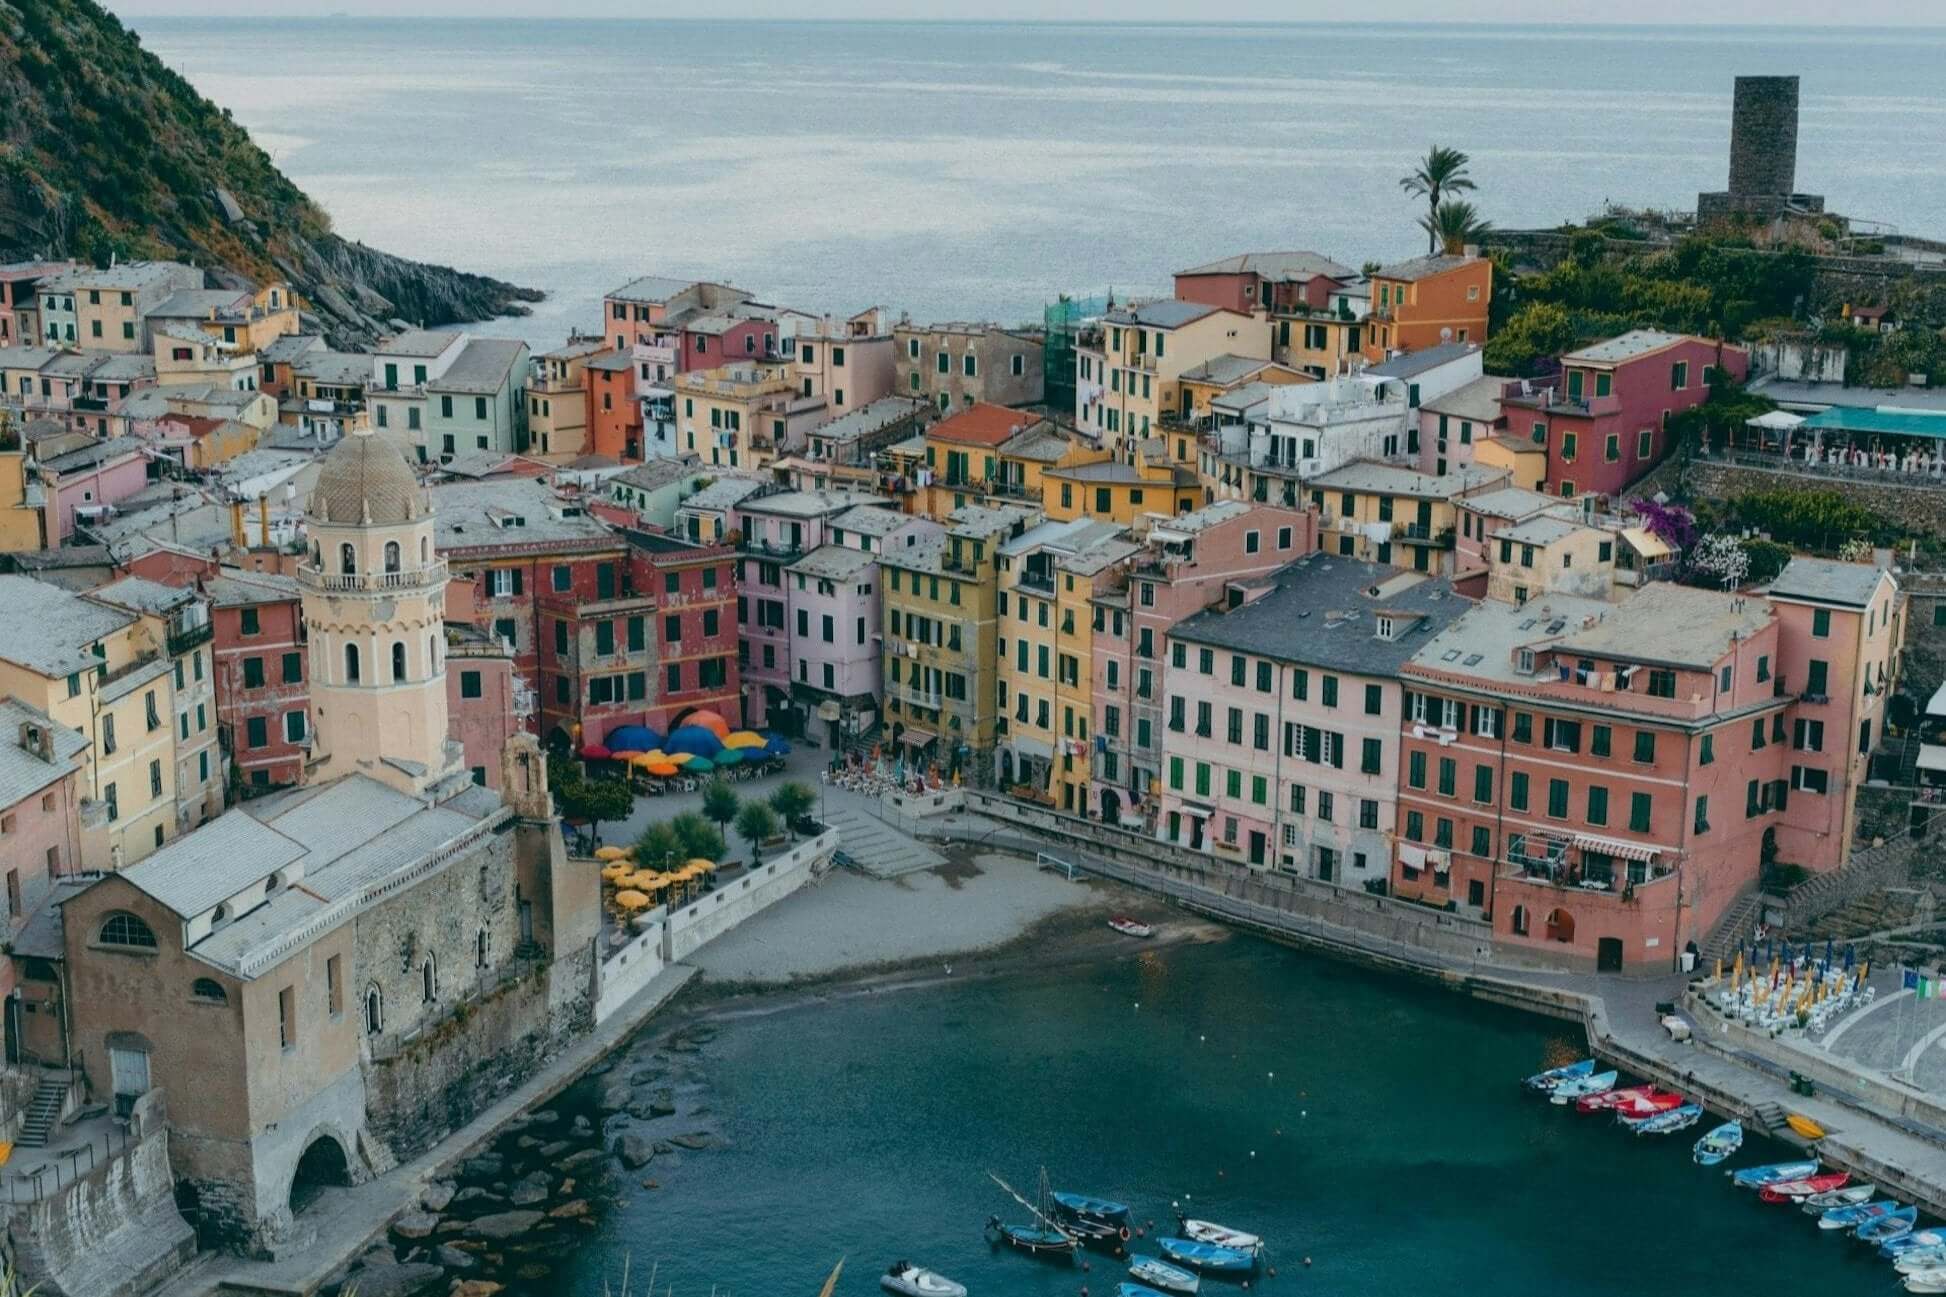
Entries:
{"x":351,"y":664}
{"x":124,"y":929}
{"x":374,"y":1010}
{"x":317,"y":556}
{"x":398,"y":660}
{"x":425,"y":550}
{"x":480,"y":949}
{"x":429,"y":980}
{"x":347,"y":559}
{"x":209,"y":990}
{"x":391,"y":556}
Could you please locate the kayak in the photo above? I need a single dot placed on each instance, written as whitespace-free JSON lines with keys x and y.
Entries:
{"x":1756,"y":1177}
{"x":1804,"y":1126}
{"x":1799,"y":1190}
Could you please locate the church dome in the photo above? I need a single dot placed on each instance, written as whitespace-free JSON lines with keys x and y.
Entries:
{"x":365,"y":480}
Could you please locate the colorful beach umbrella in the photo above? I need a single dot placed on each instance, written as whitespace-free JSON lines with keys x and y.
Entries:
{"x":729,"y":757}
{"x":708,"y":720}
{"x":700,"y":766}
{"x":743,"y":739}
{"x":610,"y":853}
{"x":661,"y":769}
{"x":631,"y":900}
{"x":639,"y":738}
{"x":696,"y":740}
{"x":595,"y":752}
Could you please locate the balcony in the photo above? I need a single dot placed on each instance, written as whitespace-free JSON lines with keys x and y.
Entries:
{"x":776,"y":551}
{"x":186,"y":635}
{"x":374,"y":583}
{"x":1419,"y":533}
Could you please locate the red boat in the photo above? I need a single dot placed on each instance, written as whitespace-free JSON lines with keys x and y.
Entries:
{"x":1648,"y":1105}
{"x":1798,"y":1190}
{"x":1610,"y":1099}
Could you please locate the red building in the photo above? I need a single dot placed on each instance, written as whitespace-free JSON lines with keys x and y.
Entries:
{"x":1278,"y":281}
{"x":263,"y":695}
{"x":1606,"y":424}
{"x":695,"y":626}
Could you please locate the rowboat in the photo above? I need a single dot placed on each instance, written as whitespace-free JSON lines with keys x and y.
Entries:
{"x":1719,"y":1144}
{"x":1891,"y":1225}
{"x":1926,"y":1281}
{"x":1610,"y":1098}
{"x":1756,"y":1177}
{"x":1081,"y":1206}
{"x":1857,"y":1214}
{"x":1134,"y":1290}
{"x":1204,"y":1231}
{"x":1804,"y":1126}
{"x":1681,"y":1117}
{"x":909,"y":1280}
{"x":1207,"y":1257}
{"x":1919,"y":1240}
{"x":1131,"y":927}
{"x":1157,"y":1273}
{"x":1553,"y":1076}
{"x":1581,"y":1087}
{"x":1799,"y":1190}
{"x":1918,"y":1259}
{"x":1648,"y":1105}
{"x":1819,"y":1203}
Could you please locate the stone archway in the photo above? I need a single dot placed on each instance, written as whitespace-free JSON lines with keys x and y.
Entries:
{"x":1560,"y":926}
{"x":324,"y":1165}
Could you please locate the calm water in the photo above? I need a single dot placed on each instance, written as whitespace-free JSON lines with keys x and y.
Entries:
{"x":976,"y":170}
{"x":1391,"y":1144}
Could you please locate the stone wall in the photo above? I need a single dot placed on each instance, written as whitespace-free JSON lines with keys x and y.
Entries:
{"x":633,"y":965}
{"x":1871,"y":869}
{"x":1916,"y":508}
{"x":731,"y":903}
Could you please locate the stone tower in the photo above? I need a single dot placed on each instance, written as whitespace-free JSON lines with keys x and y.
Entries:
{"x":1763,"y":136}
{"x":375,"y":609}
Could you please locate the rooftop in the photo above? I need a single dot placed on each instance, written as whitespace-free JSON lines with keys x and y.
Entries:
{"x":1275,"y":266}
{"x":655,"y":289}
{"x":867,"y":419}
{"x":1163,"y":313}
{"x":1481,"y":644}
{"x":1043,"y":443}
{"x":1225,"y":370}
{"x":1887,"y":420}
{"x":654,"y":474}
{"x":981,"y":424}
{"x":872,"y":519}
{"x":198,"y":303}
{"x":1199,"y":520}
{"x":1511,"y":502}
{"x":1478,"y":400}
{"x":418,"y":342}
{"x":987,"y":521}
{"x":24,"y":773}
{"x":1411,"y":364}
{"x":1541,"y":529}
{"x":88,"y":456}
{"x":1673,"y":625}
{"x":334,"y":368}
{"x":127,"y":274}
{"x":723,"y":493}
{"x":1802,"y":395}
{"x":1422,"y":267}
{"x":289,"y":347}
{"x":507,"y":511}
{"x":235,"y":587}
{"x":1322,"y":611}
{"x":1391,"y":479}
{"x":1824,"y":580}
{"x":49,"y":630}
{"x":833,"y":562}
{"x":139,"y":594}
{"x":482,"y":367}
{"x":805,"y":504}
{"x":1627,"y":346}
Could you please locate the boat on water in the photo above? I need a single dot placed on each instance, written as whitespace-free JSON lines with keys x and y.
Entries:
{"x":1207,"y":1231}
{"x":1044,"y":1239}
{"x":1553,"y":1076}
{"x":1926,"y":1281}
{"x":1893,"y":1224}
{"x":1803,"y":1125}
{"x":1097,"y":1234}
{"x":1129,"y":927}
{"x":1082,"y":1206}
{"x":1918,"y":1259}
{"x":1719,"y":1145}
{"x":1681,"y":1117}
{"x":1134,"y":1290}
{"x":1756,"y":1177}
{"x":1648,"y":1105}
{"x":1159,"y":1274}
{"x":1919,"y":1240}
{"x":1580,"y":1087}
{"x":1604,"y":1100}
{"x":1818,"y":1203}
{"x":1809,"y":1186}
{"x":1207,"y":1258}
{"x":1857,"y":1214}
{"x":910,"y":1280}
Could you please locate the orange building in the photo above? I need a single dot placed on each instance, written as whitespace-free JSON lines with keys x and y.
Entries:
{"x":1427,"y":301}
{"x":614,"y":414}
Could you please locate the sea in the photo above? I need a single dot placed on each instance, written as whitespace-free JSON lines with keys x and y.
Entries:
{"x":976,"y":171}
{"x":1371,"y":1130}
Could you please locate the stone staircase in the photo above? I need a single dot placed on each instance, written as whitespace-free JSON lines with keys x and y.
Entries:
{"x":869,"y":844}
{"x":1772,"y":1115}
{"x":43,"y":1112}
{"x":1737,"y":925}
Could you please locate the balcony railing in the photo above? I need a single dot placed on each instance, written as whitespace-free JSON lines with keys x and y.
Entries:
{"x":1418,"y":533}
{"x":781,"y":552}
{"x":411,"y":578}
{"x":182,"y":638}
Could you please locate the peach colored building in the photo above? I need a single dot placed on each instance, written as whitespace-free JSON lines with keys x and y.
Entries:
{"x":1428,"y":301}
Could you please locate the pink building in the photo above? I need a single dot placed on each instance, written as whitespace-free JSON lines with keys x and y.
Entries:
{"x":1283,"y":716}
{"x":1452,"y":423}
{"x":88,"y":479}
{"x":1605,"y":425}
{"x":40,"y":840}
{"x":1192,"y":559}
{"x":483,"y":698}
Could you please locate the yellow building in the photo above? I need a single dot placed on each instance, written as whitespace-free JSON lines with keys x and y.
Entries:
{"x":994,"y":456}
{"x":23,"y":503}
{"x":1128,"y":375}
{"x":100,"y":672}
{"x":186,"y":357}
{"x":1226,"y":373}
{"x":1383,"y":513}
{"x":742,"y":416}
{"x":557,"y":399}
{"x":1109,"y":490}
{"x":1048,"y":577}
{"x":939,"y":626}
{"x":1522,"y":459}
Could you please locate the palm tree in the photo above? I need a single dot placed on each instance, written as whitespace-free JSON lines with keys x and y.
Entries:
{"x":1443,"y":172}
{"x":1454,"y":224}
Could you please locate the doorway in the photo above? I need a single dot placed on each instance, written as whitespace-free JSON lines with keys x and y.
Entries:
{"x":323,"y":1166}
{"x":1256,"y":847}
{"x":1111,"y":807}
{"x":1608,"y":955}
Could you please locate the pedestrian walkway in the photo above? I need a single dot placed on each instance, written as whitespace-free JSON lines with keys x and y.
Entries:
{"x":871,"y":845}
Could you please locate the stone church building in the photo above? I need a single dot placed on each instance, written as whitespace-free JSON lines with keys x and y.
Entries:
{"x":325,"y":981}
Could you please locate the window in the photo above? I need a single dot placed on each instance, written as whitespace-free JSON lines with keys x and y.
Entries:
{"x":293,"y":668}
{"x":1597,"y":804}
{"x":1371,"y":756}
{"x":351,"y":664}
{"x":1416,"y":770}
{"x":1702,"y":822}
{"x":1599,"y":740}
{"x":251,"y":625}
{"x":374,"y":1011}
{"x":253,"y":673}
{"x":1483,"y":784}
{"x":1557,"y":799}
{"x":1821,"y":623}
{"x":208,"y":990}
{"x":256,"y":732}
{"x":1662,"y":683}
{"x":1448,"y":776}
{"x":1374,"y":700}
{"x":124,"y":929}
{"x":287,"y":1017}
{"x":1679,"y":376}
{"x":1517,"y":790}
{"x":398,"y":660}
{"x":334,"y":985}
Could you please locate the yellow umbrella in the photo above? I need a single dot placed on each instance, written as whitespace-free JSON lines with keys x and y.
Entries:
{"x":631,"y":900}
{"x":615,"y":872}
{"x":700,"y":863}
{"x":744,"y":739}
{"x":628,"y":755}
{"x":643,"y":760}
{"x":643,"y":879}
{"x":679,"y":758}
{"x":610,"y":853}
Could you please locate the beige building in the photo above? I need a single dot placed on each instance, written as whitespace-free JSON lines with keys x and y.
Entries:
{"x":849,"y":363}
{"x":743,"y":416}
{"x":557,"y":399}
{"x":1128,"y":374}
{"x":107,"y":310}
{"x":953,"y":366}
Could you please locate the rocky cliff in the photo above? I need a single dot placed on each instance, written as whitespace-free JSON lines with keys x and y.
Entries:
{"x":105,"y":152}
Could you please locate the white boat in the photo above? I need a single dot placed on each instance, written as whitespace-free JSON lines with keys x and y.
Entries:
{"x":1819,"y":1203}
{"x":1920,"y":1261}
{"x":1581,"y":1087}
{"x":1927,"y":1281}
{"x":1203,"y":1231}
{"x":1131,"y":927}
{"x":1160,"y":1275}
{"x":914,"y":1281}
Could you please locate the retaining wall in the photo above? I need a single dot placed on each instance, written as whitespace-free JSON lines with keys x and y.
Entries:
{"x":716,"y":912}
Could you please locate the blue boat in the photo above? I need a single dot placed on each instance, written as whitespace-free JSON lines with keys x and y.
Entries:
{"x":1158,"y":1273}
{"x":1719,"y":1144}
{"x":1678,"y":1118}
{"x":1553,"y":1076}
{"x":1854,"y":1216}
{"x":1134,"y":1290}
{"x":1207,"y":1258}
{"x":1756,"y":1177}
{"x":1044,"y":1239}
{"x":1081,"y":1206}
{"x":1918,"y":1240}
{"x":1891,"y":1225}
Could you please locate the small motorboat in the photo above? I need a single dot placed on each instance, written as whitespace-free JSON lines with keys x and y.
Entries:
{"x":1580,"y":1087}
{"x":1858,"y":1214}
{"x":1919,"y":1240}
{"x":1648,"y":1105}
{"x":1207,"y":1258}
{"x":1918,"y":1259}
{"x":1893,"y":1224}
{"x":1128,"y":927}
{"x":1819,"y":1203}
{"x":1604,"y":1100}
{"x":915,"y":1281}
{"x":1926,"y":1281}
{"x":1553,"y":1076}
{"x":1756,"y":1177}
{"x":1681,"y":1117}
{"x":1804,"y":1126}
{"x":1799,"y":1190}
{"x":1204,"y":1231}
{"x":1159,"y":1274}
{"x":1081,"y":1206}
{"x":1719,"y":1144}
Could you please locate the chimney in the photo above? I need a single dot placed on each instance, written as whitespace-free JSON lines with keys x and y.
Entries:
{"x":37,"y":739}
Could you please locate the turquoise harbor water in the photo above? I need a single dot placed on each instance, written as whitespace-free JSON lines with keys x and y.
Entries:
{"x":1373,"y":1125}
{"x":973,"y":170}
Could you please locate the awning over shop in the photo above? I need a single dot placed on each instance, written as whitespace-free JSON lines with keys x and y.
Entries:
{"x":913,"y":737}
{"x":1616,"y":847}
{"x":1029,"y":747}
{"x":1776,"y":420}
{"x":1932,"y":756}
